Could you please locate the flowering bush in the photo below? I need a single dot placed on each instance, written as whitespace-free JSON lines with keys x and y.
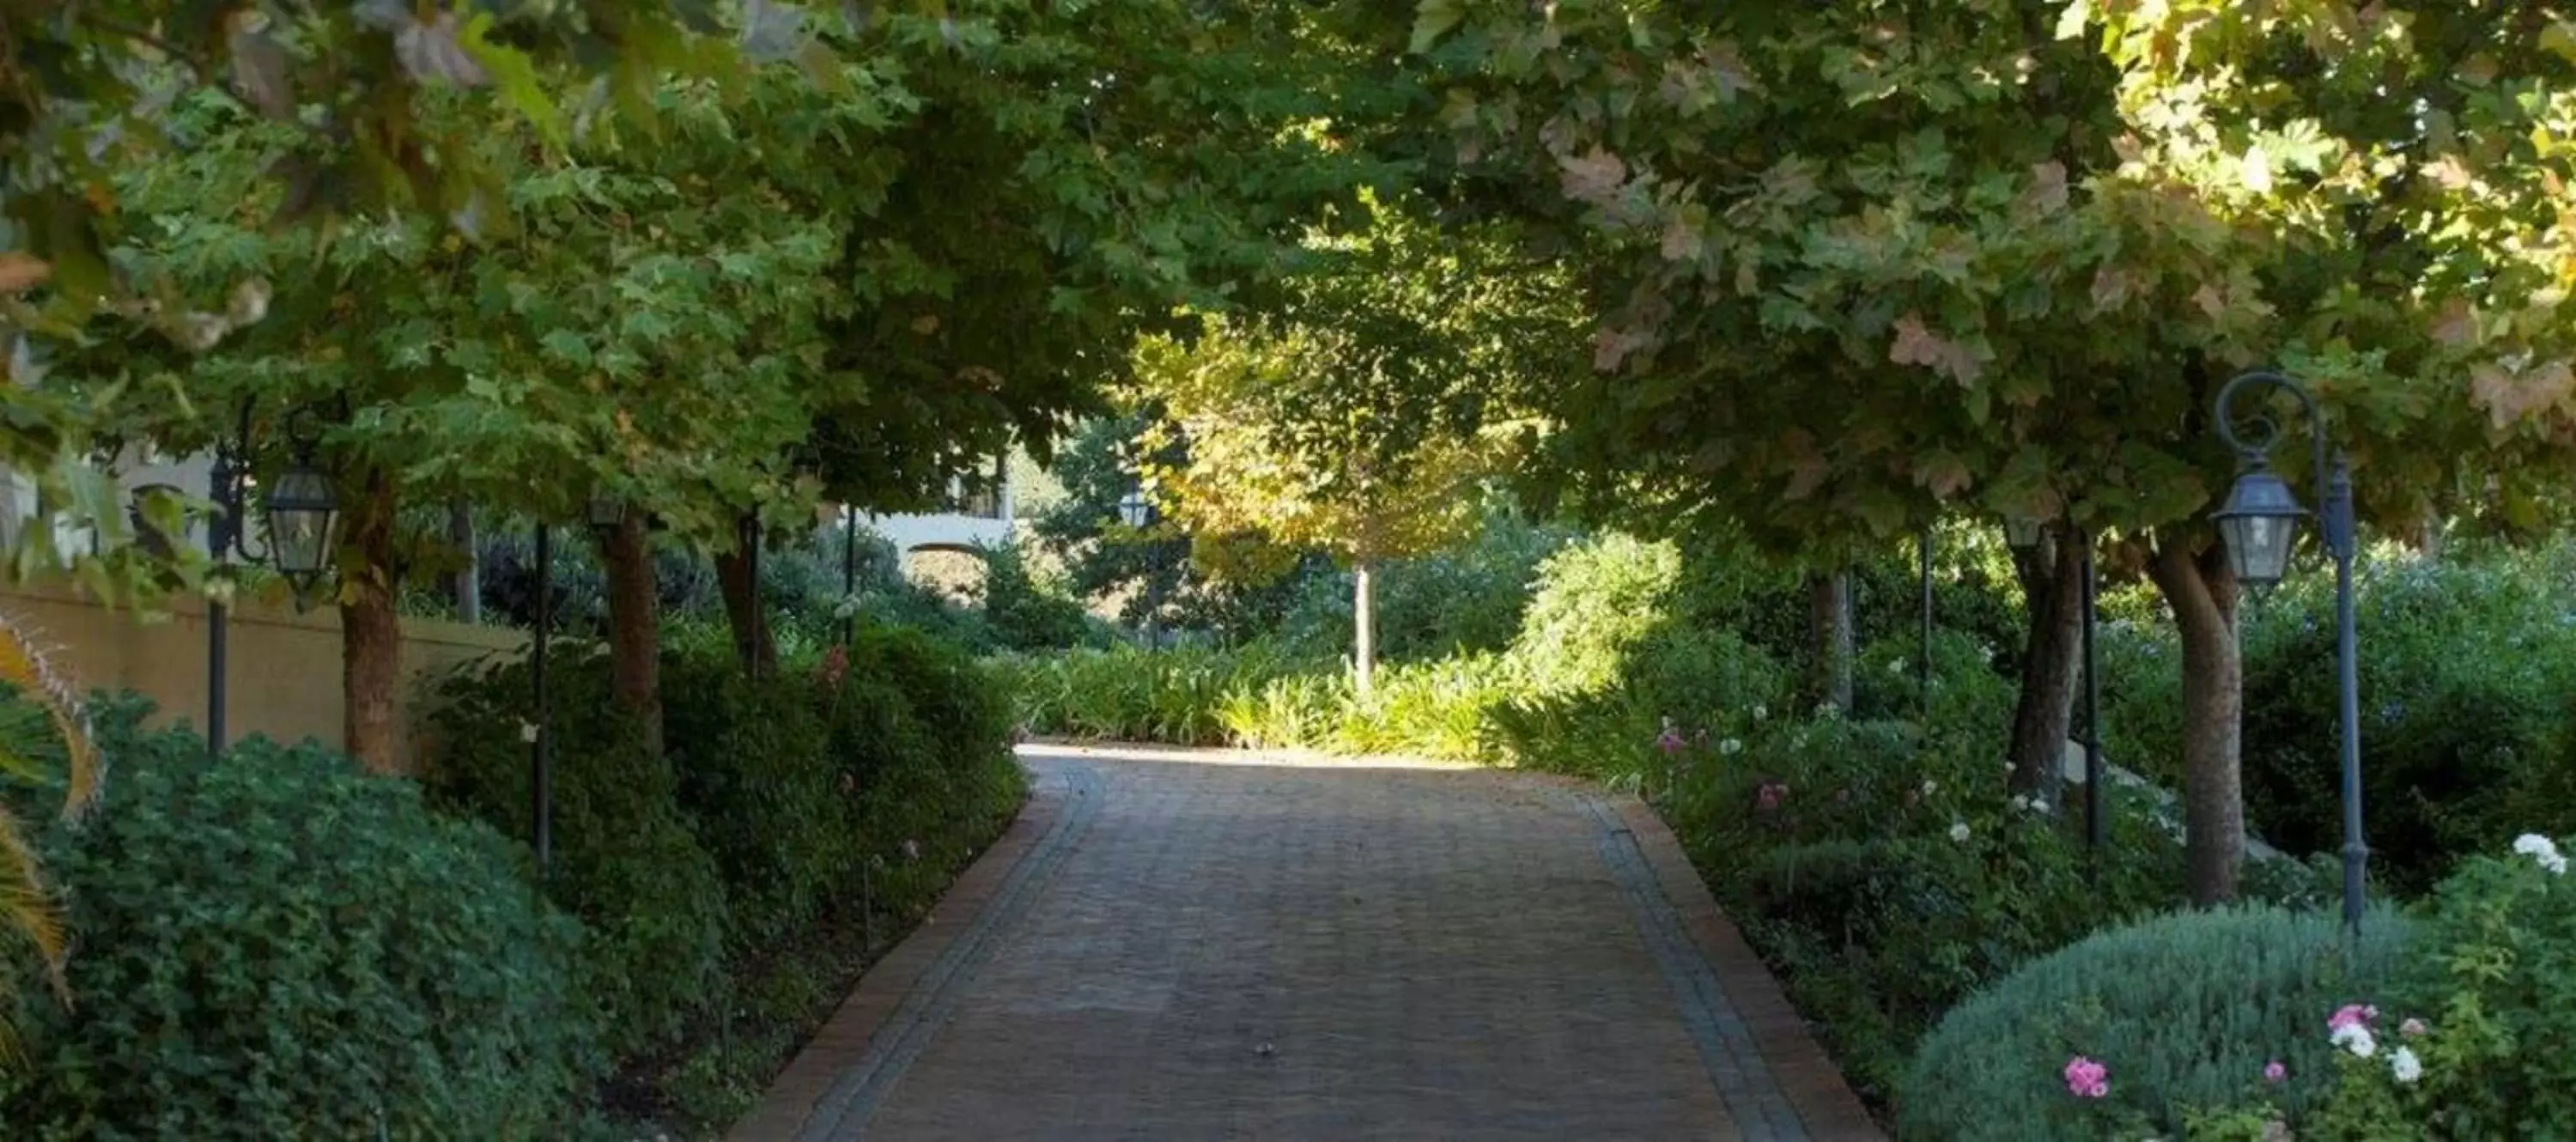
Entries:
{"x":2147,"y":1027}
{"x":2483,"y":1054}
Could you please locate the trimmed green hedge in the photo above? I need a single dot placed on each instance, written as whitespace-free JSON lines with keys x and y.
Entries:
{"x":279,"y":945}
{"x":733,"y":880}
{"x":2185,"y":1010}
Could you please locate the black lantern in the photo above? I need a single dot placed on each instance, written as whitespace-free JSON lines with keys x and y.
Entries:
{"x":2260,"y":523}
{"x":607,"y":513}
{"x":303,"y":523}
{"x":2021,"y":533}
{"x":1135,"y":510}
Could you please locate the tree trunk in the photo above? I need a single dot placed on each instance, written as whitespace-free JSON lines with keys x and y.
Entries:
{"x":465,"y":588}
{"x":2052,"y":580}
{"x":2202,"y":592}
{"x":370,"y":631}
{"x":634,"y":625}
{"x":741,"y":586}
{"x":1364,"y":626}
{"x":1830,"y":647}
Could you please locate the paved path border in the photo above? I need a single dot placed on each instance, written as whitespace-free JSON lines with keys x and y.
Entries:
{"x":853,"y":1061}
{"x":1823,"y":1103}
{"x":1774,"y":1079}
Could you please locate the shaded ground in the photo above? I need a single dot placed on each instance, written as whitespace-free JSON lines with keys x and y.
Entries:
{"x":1212,"y":945}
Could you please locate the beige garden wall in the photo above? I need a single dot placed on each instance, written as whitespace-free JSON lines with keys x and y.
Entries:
{"x":284,"y":666}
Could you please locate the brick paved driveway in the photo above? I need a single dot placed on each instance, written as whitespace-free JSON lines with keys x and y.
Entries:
{"x":1231,"y":946}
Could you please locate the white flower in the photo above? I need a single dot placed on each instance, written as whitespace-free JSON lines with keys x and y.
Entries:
{"x":1730,"y":746}
{"x":1761,"y":712}
{"x":2403,"y":1064}
{"x":2041,"y":806}
{"x":527,"y":731}
{"x":1930,"y":787}
{"x":2020,"y":804}
{"x":1897,"y":668}
{"x":1959,"y":832}
{"x":2542,"y":851}
{"x":2357,"y":1039}
{"x":1827,"y":711}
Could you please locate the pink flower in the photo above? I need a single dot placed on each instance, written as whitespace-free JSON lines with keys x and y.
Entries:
{"x":2352,"y":1015}
{"x":2086,"y":1078}
{"x":1771,"y":794}
{"x":834,"y":667}
{"x":2412,"y":1028}
{"x":1670,"y":741}
{"x":2274,"y":1072}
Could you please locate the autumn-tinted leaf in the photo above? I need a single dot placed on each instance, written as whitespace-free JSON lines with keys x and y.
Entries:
{"x":434,"y":51}
{"x":262,"y":73}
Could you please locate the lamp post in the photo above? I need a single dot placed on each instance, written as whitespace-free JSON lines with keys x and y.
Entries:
{"x":302,"y":526}
{"x":2260,"y":523}
{"x":1923,"y":664}
{"x":1137,"y":511}
{"x":849,"y":573}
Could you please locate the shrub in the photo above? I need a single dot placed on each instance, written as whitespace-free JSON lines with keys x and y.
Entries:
{"x":625,"y":859}
{"x":761,"y":791}
{"x":2185,"y":1010}
{"x":2494,"y":966}
{"x":1592,"y":603}
{"x":278,"y":945}
{"x":2460,"y":751}
{"x":1176,"y":695}
{"x":1460,"y":602}
{"x":1438,"y":709}
{"x":1026,"y":614}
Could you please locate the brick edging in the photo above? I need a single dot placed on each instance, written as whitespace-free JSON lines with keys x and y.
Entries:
{"x":838,"y":1045}
{"x":1813,"y":1085}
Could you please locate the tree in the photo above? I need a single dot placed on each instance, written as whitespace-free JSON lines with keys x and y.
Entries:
{"x":626,"y":337}
{"x":1365,"y":415}
{"x":1931,"y":216}
{"x":86,"y":94}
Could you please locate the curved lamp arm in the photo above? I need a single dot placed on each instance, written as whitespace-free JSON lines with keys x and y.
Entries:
{"x":2260,"y":433}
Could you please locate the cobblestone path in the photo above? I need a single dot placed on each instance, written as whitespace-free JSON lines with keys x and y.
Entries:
{"x":1206,"y":946}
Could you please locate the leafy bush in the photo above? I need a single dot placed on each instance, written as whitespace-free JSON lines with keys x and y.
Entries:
{"x":1461,"y":602}
{"x":2184,"y":1010}
{"x":1026,"y":614}
{"x":1176,"y":695}
{"x":2494,"y":965}
{"x":278,"y":945}
{"x":1442,"y":709}
{"x":762,"y":793}
{"x":1592,"y":602}
{"x":2460,"y":750}
{"x":625,"y":859}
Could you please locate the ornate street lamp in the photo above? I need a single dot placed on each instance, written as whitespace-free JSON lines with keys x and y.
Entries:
{"x":302,"y":514}
{"x":607,"y":513}
{"x":303,"y":521}
{"x":2259,"y":523}
{"x":1137,"y":511}
{"x":2021,"y":533}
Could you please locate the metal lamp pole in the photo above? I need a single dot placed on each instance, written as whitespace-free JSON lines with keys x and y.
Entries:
{"x":2259,"y":523}
{"x":303,"y":518}
{"x":1923,"y":666}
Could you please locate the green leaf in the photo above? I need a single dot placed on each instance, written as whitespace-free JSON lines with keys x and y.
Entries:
{"x":568,"y":346}
{"x":1433,"y":19}
{"x":516,"y":75}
